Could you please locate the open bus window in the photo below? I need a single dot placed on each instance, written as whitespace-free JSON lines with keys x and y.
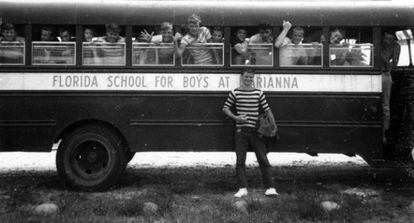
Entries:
{"x":153,"y":54}
{"x":103,"y":45}
{"x":12,"y":45}
{"x":353,"y":55}
{"x":53,"y":53}
{"x":12,"y":53}
{"x":53,"y":45}
{"x":259,"y":54}
{"x":300,"y":47}
{"x":245,"y":53}
{"x":103,"y":54}
{"x":305,"y":54}
{"x":203,"y":54}
{"x":351,"y":47}
{"x":406,"y":42}
{"x":404,"y":59}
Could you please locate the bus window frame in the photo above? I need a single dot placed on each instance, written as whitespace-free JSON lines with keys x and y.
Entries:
{"x":307,"y":65}
{"x":124,"y":65}
{"x":152,"y":65}
{"x":204,"y":65}
{"x":373,"y":65}
{"x":74,"y":43}
{"x":254,"y":65}
{"x":24,"y":56}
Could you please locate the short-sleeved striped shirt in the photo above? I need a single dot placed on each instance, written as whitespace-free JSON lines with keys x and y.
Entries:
{"x":201,"y":56}
{"x":247,"y":102}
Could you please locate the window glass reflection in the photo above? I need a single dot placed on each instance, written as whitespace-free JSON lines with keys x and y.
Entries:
{"x":256,"y":55}
{"x":301,"y":55}
{"x":12,"y":53}
{"x":53,"y":53}
{"x":103,"y":54}
{"x":198,"y":54}
{"x":153,"y":54}
{"x":351,"y":55}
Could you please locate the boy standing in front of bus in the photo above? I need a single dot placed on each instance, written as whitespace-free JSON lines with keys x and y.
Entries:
{"x":390,"y":54}
{"x":196,"y":34}
{"x":245,"y":100}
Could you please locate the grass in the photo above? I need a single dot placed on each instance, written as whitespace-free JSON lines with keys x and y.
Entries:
{"x":202,"y":194}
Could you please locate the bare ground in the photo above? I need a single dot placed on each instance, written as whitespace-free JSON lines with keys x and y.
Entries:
{"x":198,"y":187}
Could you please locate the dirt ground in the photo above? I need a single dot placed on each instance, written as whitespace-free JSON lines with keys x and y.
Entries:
{"x":199,"y":187}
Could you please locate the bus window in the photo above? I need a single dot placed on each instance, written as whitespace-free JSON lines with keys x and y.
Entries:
{"x":351,"y":47}
{"x":12,"y":46}
{"x":153,"y":45}
{"x":203,"y":54}
{"x":53,"y":46}
{"x":245,"y":53}
{"x":153,"y":54}
{"x":300,"y":47}
{"x":105,"y":49}
{"x":406,"y":42}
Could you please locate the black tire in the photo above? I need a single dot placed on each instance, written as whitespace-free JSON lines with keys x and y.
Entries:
{"x":91,"y":158}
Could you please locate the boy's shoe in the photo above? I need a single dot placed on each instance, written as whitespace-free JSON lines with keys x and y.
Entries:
{"x":241,"y":193}
{"x":271,"y":192}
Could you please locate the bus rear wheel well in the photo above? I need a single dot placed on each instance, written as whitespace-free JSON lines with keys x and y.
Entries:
{"x":72,"y":127}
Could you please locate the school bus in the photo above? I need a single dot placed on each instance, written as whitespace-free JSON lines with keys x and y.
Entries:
{"x":105,"y":101}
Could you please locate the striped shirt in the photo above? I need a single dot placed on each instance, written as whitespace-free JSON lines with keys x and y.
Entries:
{"x":202,"y":55}
{"x":247,"y":102}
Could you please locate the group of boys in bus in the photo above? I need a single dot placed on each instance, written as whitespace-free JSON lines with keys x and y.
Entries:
{"x":256,"y":50}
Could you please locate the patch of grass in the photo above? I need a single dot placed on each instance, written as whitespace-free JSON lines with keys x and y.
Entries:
{"x":202,"y":194}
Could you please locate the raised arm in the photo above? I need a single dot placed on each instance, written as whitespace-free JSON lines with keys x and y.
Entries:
{"x":178,"y":49}
{"x":280,"y":39}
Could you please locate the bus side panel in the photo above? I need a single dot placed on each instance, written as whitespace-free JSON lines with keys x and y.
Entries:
{"x":27,"y":122}
{"x":179,"y":121}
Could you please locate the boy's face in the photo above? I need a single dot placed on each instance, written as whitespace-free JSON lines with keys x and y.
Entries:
{"x":193,"y":28}
{"x":167,"y":35}
{"x":241,"y":34}
{"x":336,"y":37}
{"x":46,"y":35}
{"x":388,"y":39}
{"x":265,"y":34}
{"x":88,"y":35}
{"x":112,"y":36}
{"x":298,"y":36}
{"x":247,"y":79}
{"x":9,"y":34}
{"x":65,"y":35}
{"x":217,"y":36}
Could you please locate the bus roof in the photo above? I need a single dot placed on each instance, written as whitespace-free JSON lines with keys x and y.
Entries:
{"x":213,"y":12}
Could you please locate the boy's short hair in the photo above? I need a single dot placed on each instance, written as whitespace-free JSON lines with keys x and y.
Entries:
{"x":62,"y":30}
{"x":112,"y":27}
{"x":264,"y":26}
{"x":218,"y":29}
{"x":340,"y":30}
{"x":47,"y":28}
{"x":298,"y":29}
{"x":194,"y":18}
{"x":166,"y":26}
{"x":248,"y":70}
{"x":7,"y":26}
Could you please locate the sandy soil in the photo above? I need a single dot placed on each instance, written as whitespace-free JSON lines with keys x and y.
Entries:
{"x":17,"y":161}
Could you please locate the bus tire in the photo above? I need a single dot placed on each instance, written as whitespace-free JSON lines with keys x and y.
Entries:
{"x":90,"y":158}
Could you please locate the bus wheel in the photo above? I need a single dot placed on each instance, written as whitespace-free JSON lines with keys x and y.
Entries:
{"x":90,"y":158}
